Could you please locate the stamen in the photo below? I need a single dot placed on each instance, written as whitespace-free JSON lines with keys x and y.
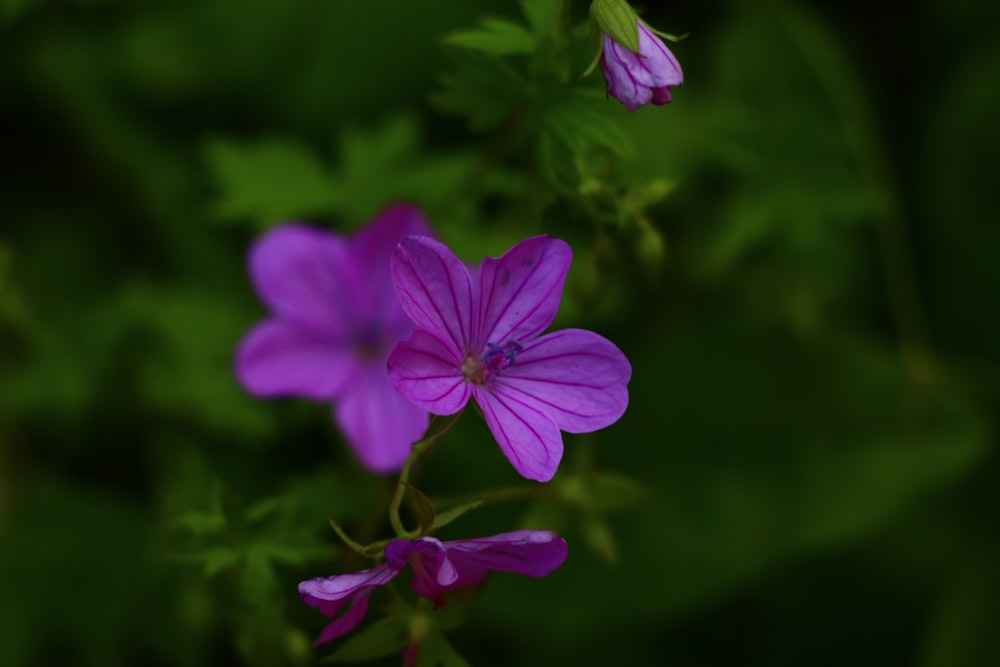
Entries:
{"x":486,"y":369}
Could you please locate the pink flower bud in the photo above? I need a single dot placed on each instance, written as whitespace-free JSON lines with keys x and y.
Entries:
{"x":638,"y":78}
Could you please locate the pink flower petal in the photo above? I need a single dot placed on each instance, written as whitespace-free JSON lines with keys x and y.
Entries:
{"x":278,"y":359}
{"x":527,"y":435}
{"x":575,"y":376}
{"x":433,"y":573}
{"x":519,"y":293}
{"x":532,"y":552}
{"x":378,"y":422}
{"x":435,"y":289}
{"x":657,"y":60}
{"x":618,"y":65}
{"x":342,"y":586}
{"x":428,"y":372}
{"x":372,"y":248}
{"x":306,"y":275}
{"x":348,"y":621}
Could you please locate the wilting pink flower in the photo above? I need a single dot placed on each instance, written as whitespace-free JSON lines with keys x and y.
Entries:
{"x":635,"y":79}
{"x":477,"y":336}
{"x":334,"y":319}
{"x":438,"y":568}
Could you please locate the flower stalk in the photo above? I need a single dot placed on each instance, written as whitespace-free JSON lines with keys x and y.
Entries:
{"x":420,"y":448}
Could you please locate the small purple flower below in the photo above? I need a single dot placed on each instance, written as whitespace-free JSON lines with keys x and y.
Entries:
{"x":334,"y":319}
{"x":477,"y":336}
{"x":637,"y":79}
{"x":438,"y":568}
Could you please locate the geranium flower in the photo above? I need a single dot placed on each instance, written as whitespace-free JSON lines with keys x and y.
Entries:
{"x":636,"y":78}
{"x":438,"y":568}
{"x":334,"y":319}
{"x":477,"y":336}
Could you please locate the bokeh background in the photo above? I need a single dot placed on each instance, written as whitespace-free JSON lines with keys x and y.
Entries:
{"x":804,"y":272}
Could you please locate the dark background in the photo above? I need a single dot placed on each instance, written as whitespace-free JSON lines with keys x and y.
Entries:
{"x":811,"y":315}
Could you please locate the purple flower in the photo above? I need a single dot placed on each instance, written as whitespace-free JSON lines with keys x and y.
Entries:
{"x":438,"y":568}
{"x":477,"y":336}
{"x":334,"y":318}
{"x":636,"y":79}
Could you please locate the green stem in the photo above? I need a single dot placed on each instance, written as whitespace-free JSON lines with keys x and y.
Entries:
{"x":419,"y":449}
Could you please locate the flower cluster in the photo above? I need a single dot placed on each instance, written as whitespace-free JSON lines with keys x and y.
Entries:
{"x":389,"y":325}
{"x":438,"y":568}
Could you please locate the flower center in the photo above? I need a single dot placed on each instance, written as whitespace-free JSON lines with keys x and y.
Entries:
{"x":485,"y":368}
{"x":370,"y":343}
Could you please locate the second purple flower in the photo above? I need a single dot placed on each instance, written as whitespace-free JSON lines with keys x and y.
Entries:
{"x":477,"y":336}
{"x":334,"y":317}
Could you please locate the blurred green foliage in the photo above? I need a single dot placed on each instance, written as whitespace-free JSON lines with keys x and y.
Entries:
{"x":798,"y":256}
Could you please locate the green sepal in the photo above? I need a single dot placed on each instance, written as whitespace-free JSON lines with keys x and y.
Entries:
{"x":617,"y":19}
{"x":447,"y":516}
{"x":597,"y":41}
{"x":423,"y":508}
{"x":666,"y":35}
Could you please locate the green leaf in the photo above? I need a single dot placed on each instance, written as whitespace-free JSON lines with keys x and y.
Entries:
{"x":382,"y":638}
{"x":543,"y":15}
{"x":436,"y":651}
{"x":458,"y":606}
{"x":497,"y":37}
{"x":268,"y":181}
{"x":11,"y":10}
{"x":581,"y":122}
{"x":384,"y":163}
{"x":604,"y":491}
{"x":213,"y":560}
{"x":297,"y":554}
{"x":444,"y":518}
{"x":598,"y":536}
{"x":201,"y":523}
{"x":485,"y":90}
{"x":259,"y":581}
{"x":547,"y":514}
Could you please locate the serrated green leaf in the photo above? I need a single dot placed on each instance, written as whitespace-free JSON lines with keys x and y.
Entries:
{"x":582,"y":125}
{"x":444,"y":518}
{"x":483,"y":89}
{"x":385,"y":637}
{"x":201,"y":523}
{"x":497,"y":37}
{"x":268,"y":181}
{"x":265,"y":507}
